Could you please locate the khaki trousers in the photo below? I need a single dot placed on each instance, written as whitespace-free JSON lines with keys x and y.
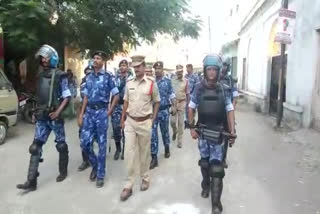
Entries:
{"x":177,"y":122}
{"x":137,"y":150}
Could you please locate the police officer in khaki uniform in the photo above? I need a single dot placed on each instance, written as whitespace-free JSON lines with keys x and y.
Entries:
{"x":180,"y":87}
{"x":141,"y":104}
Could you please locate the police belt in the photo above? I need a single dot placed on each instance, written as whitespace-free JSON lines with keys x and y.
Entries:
{"x":97,"y":105}
{"x":140,"y":119}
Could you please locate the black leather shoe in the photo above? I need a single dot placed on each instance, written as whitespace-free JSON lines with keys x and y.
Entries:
{"x":117,"y":155}
{"x":122,"y":155}
{"x":28,"y":185}
{"x":100,"y":183}
{"x":154,"y":162}
{"x":61,"y":177}
{"x":93,"y":175}
{"x":167,"y":152}
{"x":84,"y":165}
{"x":205,"y":193}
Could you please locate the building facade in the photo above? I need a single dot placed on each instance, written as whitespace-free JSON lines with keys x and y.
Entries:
{"x":258,"y":60}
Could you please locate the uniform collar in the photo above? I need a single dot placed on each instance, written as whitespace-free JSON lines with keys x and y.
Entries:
{"x":100,"y":72}
{"x":160,"y":79}
{"x":144,"y":78}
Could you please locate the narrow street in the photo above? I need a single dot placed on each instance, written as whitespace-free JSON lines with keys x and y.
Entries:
{"x":269,"y":173}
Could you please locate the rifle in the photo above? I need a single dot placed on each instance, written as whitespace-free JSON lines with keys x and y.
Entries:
{"x":215,"y":135}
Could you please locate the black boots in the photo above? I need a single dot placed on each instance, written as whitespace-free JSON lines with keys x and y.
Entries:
{"x":167,"y":151}
{"x":154,"y":162}
{"x":31,"y":183}
{"x":122,"y":154}
{"x":118,"y":151}
{"x":28,"y":185}
{"x":63,"y":161}
{"x":93,"y":175}
{"x":99,"y":183}
{"x":205,"y":184}
{"x":216,"y":191}
{"x":85,"y":164}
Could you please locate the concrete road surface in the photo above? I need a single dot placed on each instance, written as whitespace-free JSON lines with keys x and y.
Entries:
{"x":269,"y":173}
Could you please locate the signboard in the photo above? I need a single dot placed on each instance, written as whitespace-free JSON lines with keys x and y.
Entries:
{"x":286,"y":23}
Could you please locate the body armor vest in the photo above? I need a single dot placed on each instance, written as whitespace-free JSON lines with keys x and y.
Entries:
{"x":211,"y":108}
{"x":43,"y":90}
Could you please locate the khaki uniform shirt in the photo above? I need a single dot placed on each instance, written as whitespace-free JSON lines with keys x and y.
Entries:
{"x":180,"y":87}
{"x":140,"y":95}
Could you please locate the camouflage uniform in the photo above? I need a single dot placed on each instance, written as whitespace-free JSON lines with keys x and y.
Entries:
{"x":118,"y":134}
{"x":166,"y":94}
{"x":95,"y":120}
{"x":193,"y":79}
{"x":211,"y":150}
{"x":48,"y":101}
{"x":44,"y":127}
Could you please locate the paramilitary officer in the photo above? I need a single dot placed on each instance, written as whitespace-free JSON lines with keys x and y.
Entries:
{"x":48,"y":115}
{"x":167,"y":98}
{"x":85,"y":160}
{"x":140,"y":108}
{"x":181,"y":90}
{"x":120,"y":81}
{"x":212,"y":99}
{"x":193,"y":79}
{"x":226,"y":78}
{"x":94,"y":115}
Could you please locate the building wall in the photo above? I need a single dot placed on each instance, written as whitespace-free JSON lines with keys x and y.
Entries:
{"x":303,"y":57}
{"x":254,"y":46}
{"x":74,"y":61}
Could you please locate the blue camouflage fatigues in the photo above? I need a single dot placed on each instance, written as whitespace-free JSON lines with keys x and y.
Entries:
{"x":209,"y":149}
{"x":120,"y":83}
{"x":82,"y":88}
{"x":193,"y":79}
{"x":95,"y":120}
{"x":44,"y":127}
{"x":229,"y":81}
{"x":166,"y":94}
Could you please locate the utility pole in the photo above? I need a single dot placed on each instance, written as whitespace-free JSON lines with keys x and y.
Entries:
{"x":209,"y":23}
{"x":285,"y":4}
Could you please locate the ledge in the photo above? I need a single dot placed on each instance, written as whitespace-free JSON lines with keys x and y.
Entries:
{"x":260,"y":96}
{"x":294,"y":108}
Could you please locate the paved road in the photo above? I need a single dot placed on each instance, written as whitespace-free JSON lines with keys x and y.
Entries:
{"x":269,"y":173}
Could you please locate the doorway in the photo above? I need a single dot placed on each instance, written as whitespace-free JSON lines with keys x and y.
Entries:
{"x":274,"y":85}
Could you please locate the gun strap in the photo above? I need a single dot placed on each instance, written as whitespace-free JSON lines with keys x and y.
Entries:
{"x":51,"y":88}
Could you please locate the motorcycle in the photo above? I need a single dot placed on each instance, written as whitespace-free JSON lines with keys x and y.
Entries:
{"x":27,"y":103}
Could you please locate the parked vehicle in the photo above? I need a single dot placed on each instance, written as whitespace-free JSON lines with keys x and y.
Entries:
{"x":8,"y":106}
{"x":27,"y":104}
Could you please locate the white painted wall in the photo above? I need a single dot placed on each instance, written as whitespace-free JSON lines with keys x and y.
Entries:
{"x":303,"y":57}
{"x":253,"y":45}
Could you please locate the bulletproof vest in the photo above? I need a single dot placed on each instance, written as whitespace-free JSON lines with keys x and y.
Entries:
{"x":211,"y":108}
{"x":43,"y":90}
